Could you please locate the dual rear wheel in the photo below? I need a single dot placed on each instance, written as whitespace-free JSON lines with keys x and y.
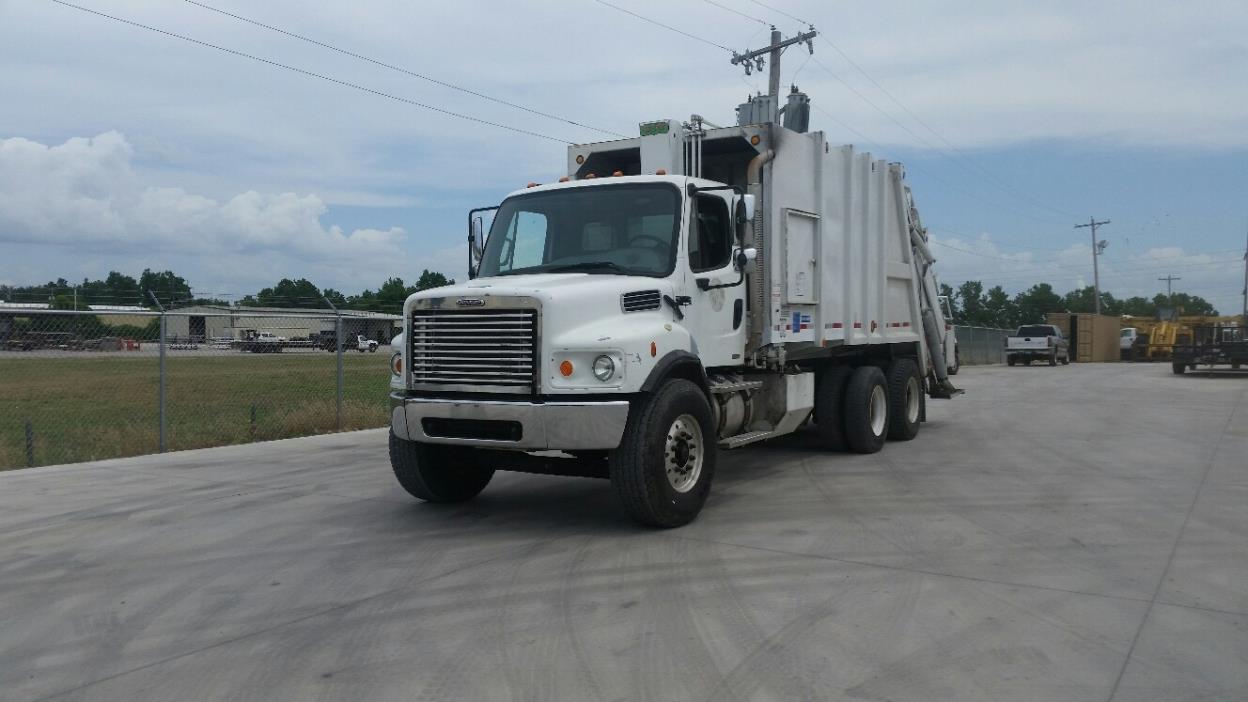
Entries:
{"x":859,"y":408}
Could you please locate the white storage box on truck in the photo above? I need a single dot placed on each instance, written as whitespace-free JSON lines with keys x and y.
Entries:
{"x":678,"y":293}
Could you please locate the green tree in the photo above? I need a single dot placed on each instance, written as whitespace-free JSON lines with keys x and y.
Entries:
{"x":1138,"y":307}
{"x":971,"y":300}
{"x":1035,"y":302}
{"x":295,"y":294}
{"x":1184,"y":303}
{"x":432,"y":279}
{"x":999,"y":308}
{"x":168,"y":287}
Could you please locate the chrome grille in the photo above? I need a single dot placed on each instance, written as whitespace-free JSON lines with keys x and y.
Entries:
{"x":487,"y":349}
{"x":641,"y":300}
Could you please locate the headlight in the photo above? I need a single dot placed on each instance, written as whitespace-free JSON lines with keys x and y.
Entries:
{"x":396,"y":364}
{"x":604,"y":368}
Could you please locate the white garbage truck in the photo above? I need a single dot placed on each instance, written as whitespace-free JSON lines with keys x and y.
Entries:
{"x":690,"y":290}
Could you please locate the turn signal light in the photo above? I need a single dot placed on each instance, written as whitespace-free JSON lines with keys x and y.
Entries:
{"x":396,"y":364}
{"x":565,"y":369}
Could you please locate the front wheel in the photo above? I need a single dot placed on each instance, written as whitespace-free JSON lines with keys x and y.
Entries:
{"x":663,"y":467}
{"x":1178,"y":368}
{"x":1053,"y":359}
{"x":436,"y":473}
{"x":1010,"y":360}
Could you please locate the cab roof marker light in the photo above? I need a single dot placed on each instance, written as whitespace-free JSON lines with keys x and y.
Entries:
{"x":564,"y":179}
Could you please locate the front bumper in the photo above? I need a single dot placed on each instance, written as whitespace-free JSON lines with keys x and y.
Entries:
{"x":504,"y":424}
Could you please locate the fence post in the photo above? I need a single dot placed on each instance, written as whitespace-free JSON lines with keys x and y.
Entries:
{"x":30,"y":444}
{"x":338,"y":343}
{"x":160,"y":441}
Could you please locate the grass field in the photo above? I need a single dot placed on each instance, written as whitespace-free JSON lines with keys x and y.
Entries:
{"x":84,"y":407}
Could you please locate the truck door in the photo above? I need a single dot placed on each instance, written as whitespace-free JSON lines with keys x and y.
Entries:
{"x":715,"y":316}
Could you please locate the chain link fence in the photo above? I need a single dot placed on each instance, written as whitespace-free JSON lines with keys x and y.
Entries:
{"x":979,"y":346}
{"x":80,"y":386}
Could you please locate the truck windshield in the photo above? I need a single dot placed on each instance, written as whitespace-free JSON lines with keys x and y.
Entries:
{"x":1035,"y":330}
{"x":613,"y":229}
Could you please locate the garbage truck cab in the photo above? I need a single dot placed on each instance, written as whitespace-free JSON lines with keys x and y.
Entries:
{"x":692,"y":289}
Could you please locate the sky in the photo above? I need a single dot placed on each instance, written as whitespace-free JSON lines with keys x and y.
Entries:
{"x":124,"y":149}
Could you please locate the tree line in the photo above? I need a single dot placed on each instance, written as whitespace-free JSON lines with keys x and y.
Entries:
{"x":972,"y":305}
{"x":173,"y":291}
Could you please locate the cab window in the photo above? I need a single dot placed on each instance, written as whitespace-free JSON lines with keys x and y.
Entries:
{"x":710,"y":242}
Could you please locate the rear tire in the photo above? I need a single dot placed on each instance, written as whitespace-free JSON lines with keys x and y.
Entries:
{"x":1066,"y":359}
{"x":830,"y":406}
{"x":957,"y":362}
{"x":1053,"y":359}
{"x":905,"y":400}
{"x":436,"y":473}
{"x":866,"y":410}
{"x":663,"y":467}
{"x":1178,"y":368}
{"x":1010,"y":360}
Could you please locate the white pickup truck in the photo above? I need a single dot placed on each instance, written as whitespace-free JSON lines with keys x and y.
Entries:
{"x":1037,"y":342}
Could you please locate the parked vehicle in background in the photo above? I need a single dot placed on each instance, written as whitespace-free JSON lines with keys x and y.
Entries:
{"x":693,"y":289}
{"x":1212,"y":345}
{"x":363,"y":343}
{"x":262,"y":342}
{"x":1126,"y":342}
{"x":953,"y":356}
{"x":1037,"y":342}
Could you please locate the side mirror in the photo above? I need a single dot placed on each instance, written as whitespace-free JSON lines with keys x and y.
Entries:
{"x":746,"y":207}
{"x":476,"y":245}
{"x":745,"y":260}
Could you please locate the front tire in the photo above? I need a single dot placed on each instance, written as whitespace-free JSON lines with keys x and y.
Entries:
{"x":1053,"y":359}
{"x":1010,"y":360}
{"x":1178,"y":368}
{"x":663,"y":467}
{"x":905,"y":400}
{"x":866,"y":410}
{"x":436,"y":473}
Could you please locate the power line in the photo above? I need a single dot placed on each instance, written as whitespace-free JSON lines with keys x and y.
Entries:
{"x":737,"y":12}
{"x":402,"y":70}
{"x":960,"y":159}
{"x":780,"y":12}
{"x":312,"y":74}
{"x":656,"y":23}
{"x":949,"y":184}
{"x":1001,"y":183}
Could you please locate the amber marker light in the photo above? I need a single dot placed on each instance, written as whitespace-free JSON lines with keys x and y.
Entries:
{"x":564,"y":179}
{"x":661,"y":171}
{"x":565,"y":369}
{"x":654,"y":349}
{"x":580,"y":159}
{"x":754,"y":140}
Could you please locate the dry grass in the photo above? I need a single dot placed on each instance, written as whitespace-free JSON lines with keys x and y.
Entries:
{"x":84,"y":407}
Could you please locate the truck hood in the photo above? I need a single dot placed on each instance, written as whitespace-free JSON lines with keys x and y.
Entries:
{"x":582,"y":289}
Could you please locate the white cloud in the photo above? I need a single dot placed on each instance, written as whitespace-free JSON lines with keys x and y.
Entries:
{"x":85,"y":192}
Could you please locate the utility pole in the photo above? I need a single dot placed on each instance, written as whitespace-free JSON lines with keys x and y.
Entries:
{"x":1169,"y":292}
{"x":753,"y":60}
{"x":1098,"y":248}
{"x":1244,"y":321}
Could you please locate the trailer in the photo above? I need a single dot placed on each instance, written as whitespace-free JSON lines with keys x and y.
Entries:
{"x":689,"y":290}
{"x":1211,"y":345}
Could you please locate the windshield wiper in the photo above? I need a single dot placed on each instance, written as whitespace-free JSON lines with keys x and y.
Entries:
{"x":589,"y":266}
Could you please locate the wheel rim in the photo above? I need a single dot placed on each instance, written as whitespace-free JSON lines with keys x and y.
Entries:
{"x":878,"y":410}
{"x":683,"y":453}
{"x":912,"y":400}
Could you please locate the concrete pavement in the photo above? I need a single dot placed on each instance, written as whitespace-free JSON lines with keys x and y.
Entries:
{"x":1070,"y":533}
